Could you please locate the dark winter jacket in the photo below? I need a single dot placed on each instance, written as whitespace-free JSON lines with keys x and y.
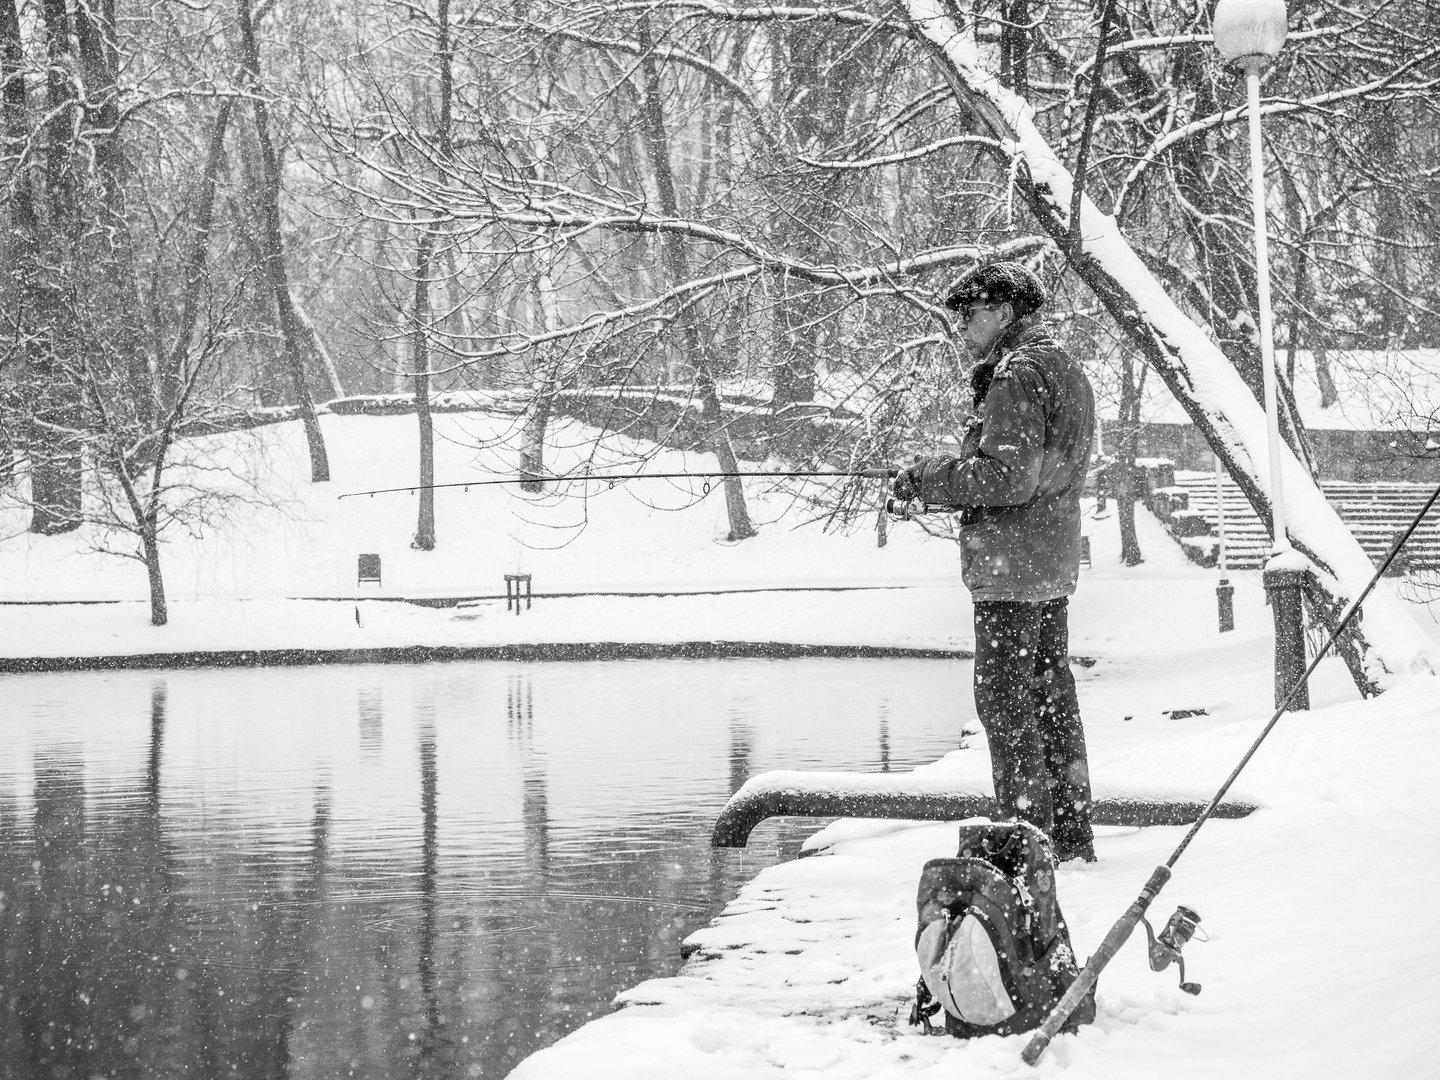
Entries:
{"x":1020,"y":470}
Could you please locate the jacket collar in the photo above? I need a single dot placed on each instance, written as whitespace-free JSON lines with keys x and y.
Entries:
{"x":1020,"y":332}
{"x":1017,"y":333}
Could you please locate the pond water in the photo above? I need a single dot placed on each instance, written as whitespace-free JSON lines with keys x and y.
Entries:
{"x":392,"y":870}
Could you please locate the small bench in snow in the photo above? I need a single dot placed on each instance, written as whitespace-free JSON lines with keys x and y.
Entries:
{"x":908,"y":797}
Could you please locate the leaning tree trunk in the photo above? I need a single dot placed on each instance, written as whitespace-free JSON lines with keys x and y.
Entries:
{"x":150,"y":545}
{"x":195,"y":268}
{"x":677,"y":267}
{"x":1387,"y":643}
{"x":292,"y":329}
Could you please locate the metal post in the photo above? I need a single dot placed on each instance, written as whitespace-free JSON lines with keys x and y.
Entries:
{"x":1285,"y":589}
{"x":1280,"y":539}
{"x":1224,"y":591}
{"x":1284,"y":583}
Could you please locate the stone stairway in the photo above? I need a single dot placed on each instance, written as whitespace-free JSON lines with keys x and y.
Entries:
{"x":1376,"y":514}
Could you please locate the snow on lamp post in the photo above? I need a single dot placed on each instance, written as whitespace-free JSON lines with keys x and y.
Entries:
{"x":1249,"y":34}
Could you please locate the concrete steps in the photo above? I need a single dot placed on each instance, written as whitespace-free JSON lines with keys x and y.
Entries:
{"x":1376,"y":514}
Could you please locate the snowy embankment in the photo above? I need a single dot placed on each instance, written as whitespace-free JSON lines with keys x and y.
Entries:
{"x":1318,"y":962}
{"x":282,"y":576}
{"x":1321,"y":962}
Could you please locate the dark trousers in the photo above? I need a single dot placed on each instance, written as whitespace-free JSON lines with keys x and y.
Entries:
{"x":1025,"y":698}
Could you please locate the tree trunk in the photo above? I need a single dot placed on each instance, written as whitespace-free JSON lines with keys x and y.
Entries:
{"x":55,"y":474}
{"x":532,"y":444}
{"x":819,"y":84}
{"x":420,"y":352}
{"x":1127,"y":473}
{"x":7,"y":455}
{"x":1326,"y":381}
{"x":424,"y":262}
{"x":537,"y":420}
{"x":44,"y":209}
{"x":195,"y":268}
{"x":150,"y":544}
{"x":292,"y":330}
{"x":1387,"y":642}
{"x":677,"y":267}
{"x":107,"y":248}
{"x":320,"y":352}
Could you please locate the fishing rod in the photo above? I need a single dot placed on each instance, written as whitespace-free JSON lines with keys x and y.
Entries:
{"x":1183,"y":924}
{"x":614,"y":478}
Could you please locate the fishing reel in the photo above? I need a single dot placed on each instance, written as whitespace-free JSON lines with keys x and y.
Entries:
{"x":1165,"y":947}
{"x":907,"y":509}
{"x":903,"y":509}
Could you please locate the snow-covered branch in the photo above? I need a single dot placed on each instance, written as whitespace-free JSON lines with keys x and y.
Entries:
{"x":912,"y":154}
{"x":877,"y":280}
{"x":1389,"y":81}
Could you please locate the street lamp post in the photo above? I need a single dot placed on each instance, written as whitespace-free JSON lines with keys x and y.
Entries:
{"x":1250,"y":34}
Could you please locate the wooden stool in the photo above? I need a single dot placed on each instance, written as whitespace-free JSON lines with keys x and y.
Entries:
{"x":514,"y":584}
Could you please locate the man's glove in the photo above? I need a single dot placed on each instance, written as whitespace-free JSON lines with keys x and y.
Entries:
{"x":907,"y":482}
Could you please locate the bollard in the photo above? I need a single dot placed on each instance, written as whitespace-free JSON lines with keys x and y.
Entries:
{"x":1285,"y":590}
{"x":1225,"y":597}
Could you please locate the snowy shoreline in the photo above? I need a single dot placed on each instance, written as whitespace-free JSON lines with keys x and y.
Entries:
{"x":529,"y":652}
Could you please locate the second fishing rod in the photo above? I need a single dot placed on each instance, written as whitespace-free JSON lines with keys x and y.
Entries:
{"x":1166,"y":948}
{"x":898,"y":508}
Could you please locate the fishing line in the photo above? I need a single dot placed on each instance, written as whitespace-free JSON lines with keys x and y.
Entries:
{"x":618,"y":478}
{"x":1125,"y":925}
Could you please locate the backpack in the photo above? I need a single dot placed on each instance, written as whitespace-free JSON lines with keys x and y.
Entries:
{"x":994,"y":950}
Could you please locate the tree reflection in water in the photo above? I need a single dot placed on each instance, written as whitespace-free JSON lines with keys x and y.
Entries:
{"x":221,"y":873}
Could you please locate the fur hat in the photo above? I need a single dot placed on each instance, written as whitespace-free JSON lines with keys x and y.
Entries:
{"x":1000,"y":283}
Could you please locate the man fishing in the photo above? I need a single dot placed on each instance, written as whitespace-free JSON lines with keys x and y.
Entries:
{"x":1016,"y":483}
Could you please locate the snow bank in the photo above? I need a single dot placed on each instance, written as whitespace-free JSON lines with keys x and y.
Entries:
{"x":1316,"y":964}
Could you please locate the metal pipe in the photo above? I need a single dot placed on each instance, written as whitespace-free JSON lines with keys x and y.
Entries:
{"x":1224,"y":591}
{"x":869,"y":795}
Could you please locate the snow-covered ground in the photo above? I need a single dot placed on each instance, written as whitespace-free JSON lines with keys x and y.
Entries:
{"x":1321,"y":960}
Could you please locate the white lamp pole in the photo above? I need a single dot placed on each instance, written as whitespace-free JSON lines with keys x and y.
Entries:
{"x":1249,"y":34}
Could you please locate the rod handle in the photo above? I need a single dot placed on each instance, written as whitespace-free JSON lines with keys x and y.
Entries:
{"x":1090,"y":973}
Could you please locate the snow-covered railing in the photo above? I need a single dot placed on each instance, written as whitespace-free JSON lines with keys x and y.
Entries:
{"x":906,"y":796}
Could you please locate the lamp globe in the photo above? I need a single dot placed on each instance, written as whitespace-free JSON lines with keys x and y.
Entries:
{"x":1250,"y":33}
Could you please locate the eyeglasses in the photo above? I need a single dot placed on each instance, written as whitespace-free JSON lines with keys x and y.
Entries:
{"x":967,"y":314}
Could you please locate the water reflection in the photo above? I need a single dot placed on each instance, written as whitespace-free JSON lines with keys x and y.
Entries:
{"x":387,"y":871}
